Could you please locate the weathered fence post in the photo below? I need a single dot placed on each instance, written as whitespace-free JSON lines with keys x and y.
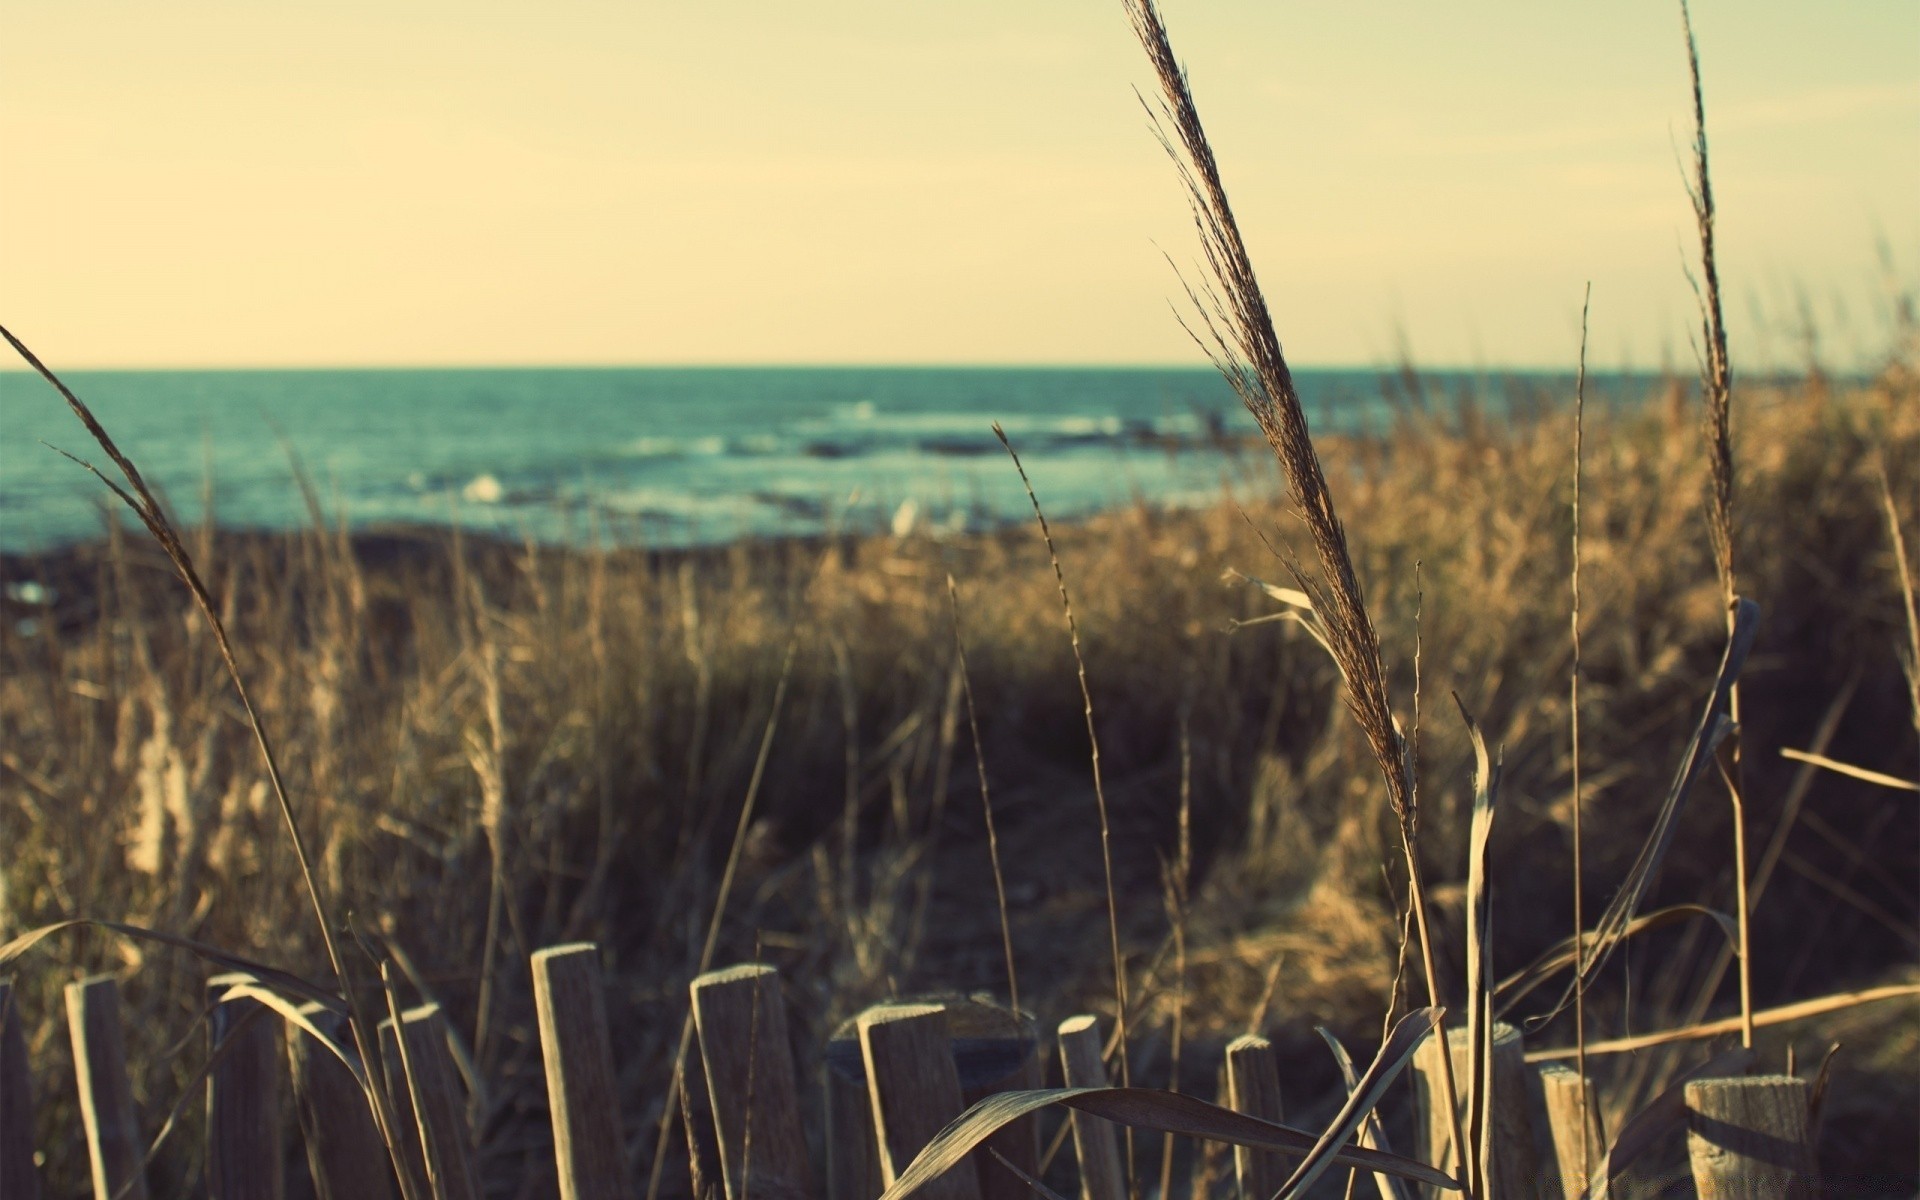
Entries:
{"x":1253,"y":1087}
{"x":344,"y":1152}
{"x":1519,"y":1124}
{"x":915,"y":1089}
{"x":742,"y":1021}
{"x":1748,"y":1138}
{"x":18,"y":1175}
{"x":1573,"y":1115}
{"x":569,"y":997}
{"x":427,"y":1069}
{"x":1095,"y":1142}
{"x":114,"y":1145}
{"x":243,"y":1103}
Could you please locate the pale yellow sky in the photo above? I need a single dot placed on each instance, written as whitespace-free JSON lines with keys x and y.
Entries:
{"x":577,"y":181}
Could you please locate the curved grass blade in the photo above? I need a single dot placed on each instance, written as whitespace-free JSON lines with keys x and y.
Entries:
{"x":1486,"y":787}
{"x":1363,"y":1099}
{"x":1662,"y":1115}
{"x":1558,"y":957}
{"x":1143,"y":1108}
{"x":1714,"y":725}
{"x":272,"y":976}
{"x":1373,"y":1135}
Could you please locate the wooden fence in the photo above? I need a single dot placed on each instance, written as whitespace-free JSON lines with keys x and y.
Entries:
{"x":892,"y":1077}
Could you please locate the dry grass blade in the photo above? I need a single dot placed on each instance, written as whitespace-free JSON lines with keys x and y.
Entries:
{"x":1908,"y":588}
{"x":285,"y":981}
{"x":1025,"y":1178}
{"x":1486,"y":788}
{"x":1373,"y":1135}
{"x":1658,"y":1120}
{"x":1713,"y":726}
{"x":1142,"y":1108}
{"x":1849,"y":770}
{"x":986,"y":798}
{"x":1558,"y":957}
{"x":1099,"y":788}
{"x":1362,"y":1099}
{"x":1786,"y":1013}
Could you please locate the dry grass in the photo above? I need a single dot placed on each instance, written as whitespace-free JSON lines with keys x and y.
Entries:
{"x":575,"y":732}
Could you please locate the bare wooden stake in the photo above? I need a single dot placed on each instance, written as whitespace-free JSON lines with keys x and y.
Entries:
{"x":742,"y":1022}
{"x":18,"y":1175}
{"x":446,"y":1142}
{"x":1573,"y":1115}
{"x":1253,"y":1087}
{"x":915,"y":1090}
{"x":1096,"y":1143}
{"x":345,"y":1155}
{"x":1748,"y":1138}
{"x":1519,"y":1119}
{"x":114,"y":1144}
{"x":571,"y":1002}
{"x":243,"y":1096}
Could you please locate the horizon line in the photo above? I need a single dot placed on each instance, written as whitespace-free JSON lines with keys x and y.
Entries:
{"x":851,"y":365}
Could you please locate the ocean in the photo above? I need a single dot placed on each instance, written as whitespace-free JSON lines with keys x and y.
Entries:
{"x":666,"y":456}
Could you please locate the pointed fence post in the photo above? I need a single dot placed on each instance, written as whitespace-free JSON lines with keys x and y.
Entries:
{"x":1253,"y":1088}
{"x":742,"y":1021}
{"x":915,"y":1089}
{"x":18,"y":1175}
{"x":1748,"y":1138}
{"x":570,"y":1000}
{"x":427,"y":1067}
{"x":1576,"y":1137}
{"x":345,"y":1155}
{"x":114,"y":1145}
{"x":243,"y":1096}
{"x":1095,"y":1142}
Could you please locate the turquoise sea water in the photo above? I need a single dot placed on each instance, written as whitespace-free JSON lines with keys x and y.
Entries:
{"x":661,"y":456}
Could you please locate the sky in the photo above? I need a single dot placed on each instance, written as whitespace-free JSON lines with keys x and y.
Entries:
{"x":408,"y":182}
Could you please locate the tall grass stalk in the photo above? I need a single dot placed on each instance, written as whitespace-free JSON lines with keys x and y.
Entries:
{"x":1099,"y":790}
{"x":1573,"y":707}
{"x":986,"y":799}
{"x":1240,"y":340}
{"x":1717,"y":386}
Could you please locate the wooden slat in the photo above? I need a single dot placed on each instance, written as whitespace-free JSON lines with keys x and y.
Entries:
{"x":570,"y":999}
{"x":441,"y":1114}
{"x":1519,"y":1119}
{"x":1573,"y":1116}
{"x":1748,"y":1138}
{"x":742,"y":1022}
{"x":1096,"y":1143}
{"x":114,"y":1145}
{"x":1253,"y":1087}
{"x":915,"y":1090}
{"x":18,"y":1175}
{"x":243,"y":1096}
{"x":344,"y":1152}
